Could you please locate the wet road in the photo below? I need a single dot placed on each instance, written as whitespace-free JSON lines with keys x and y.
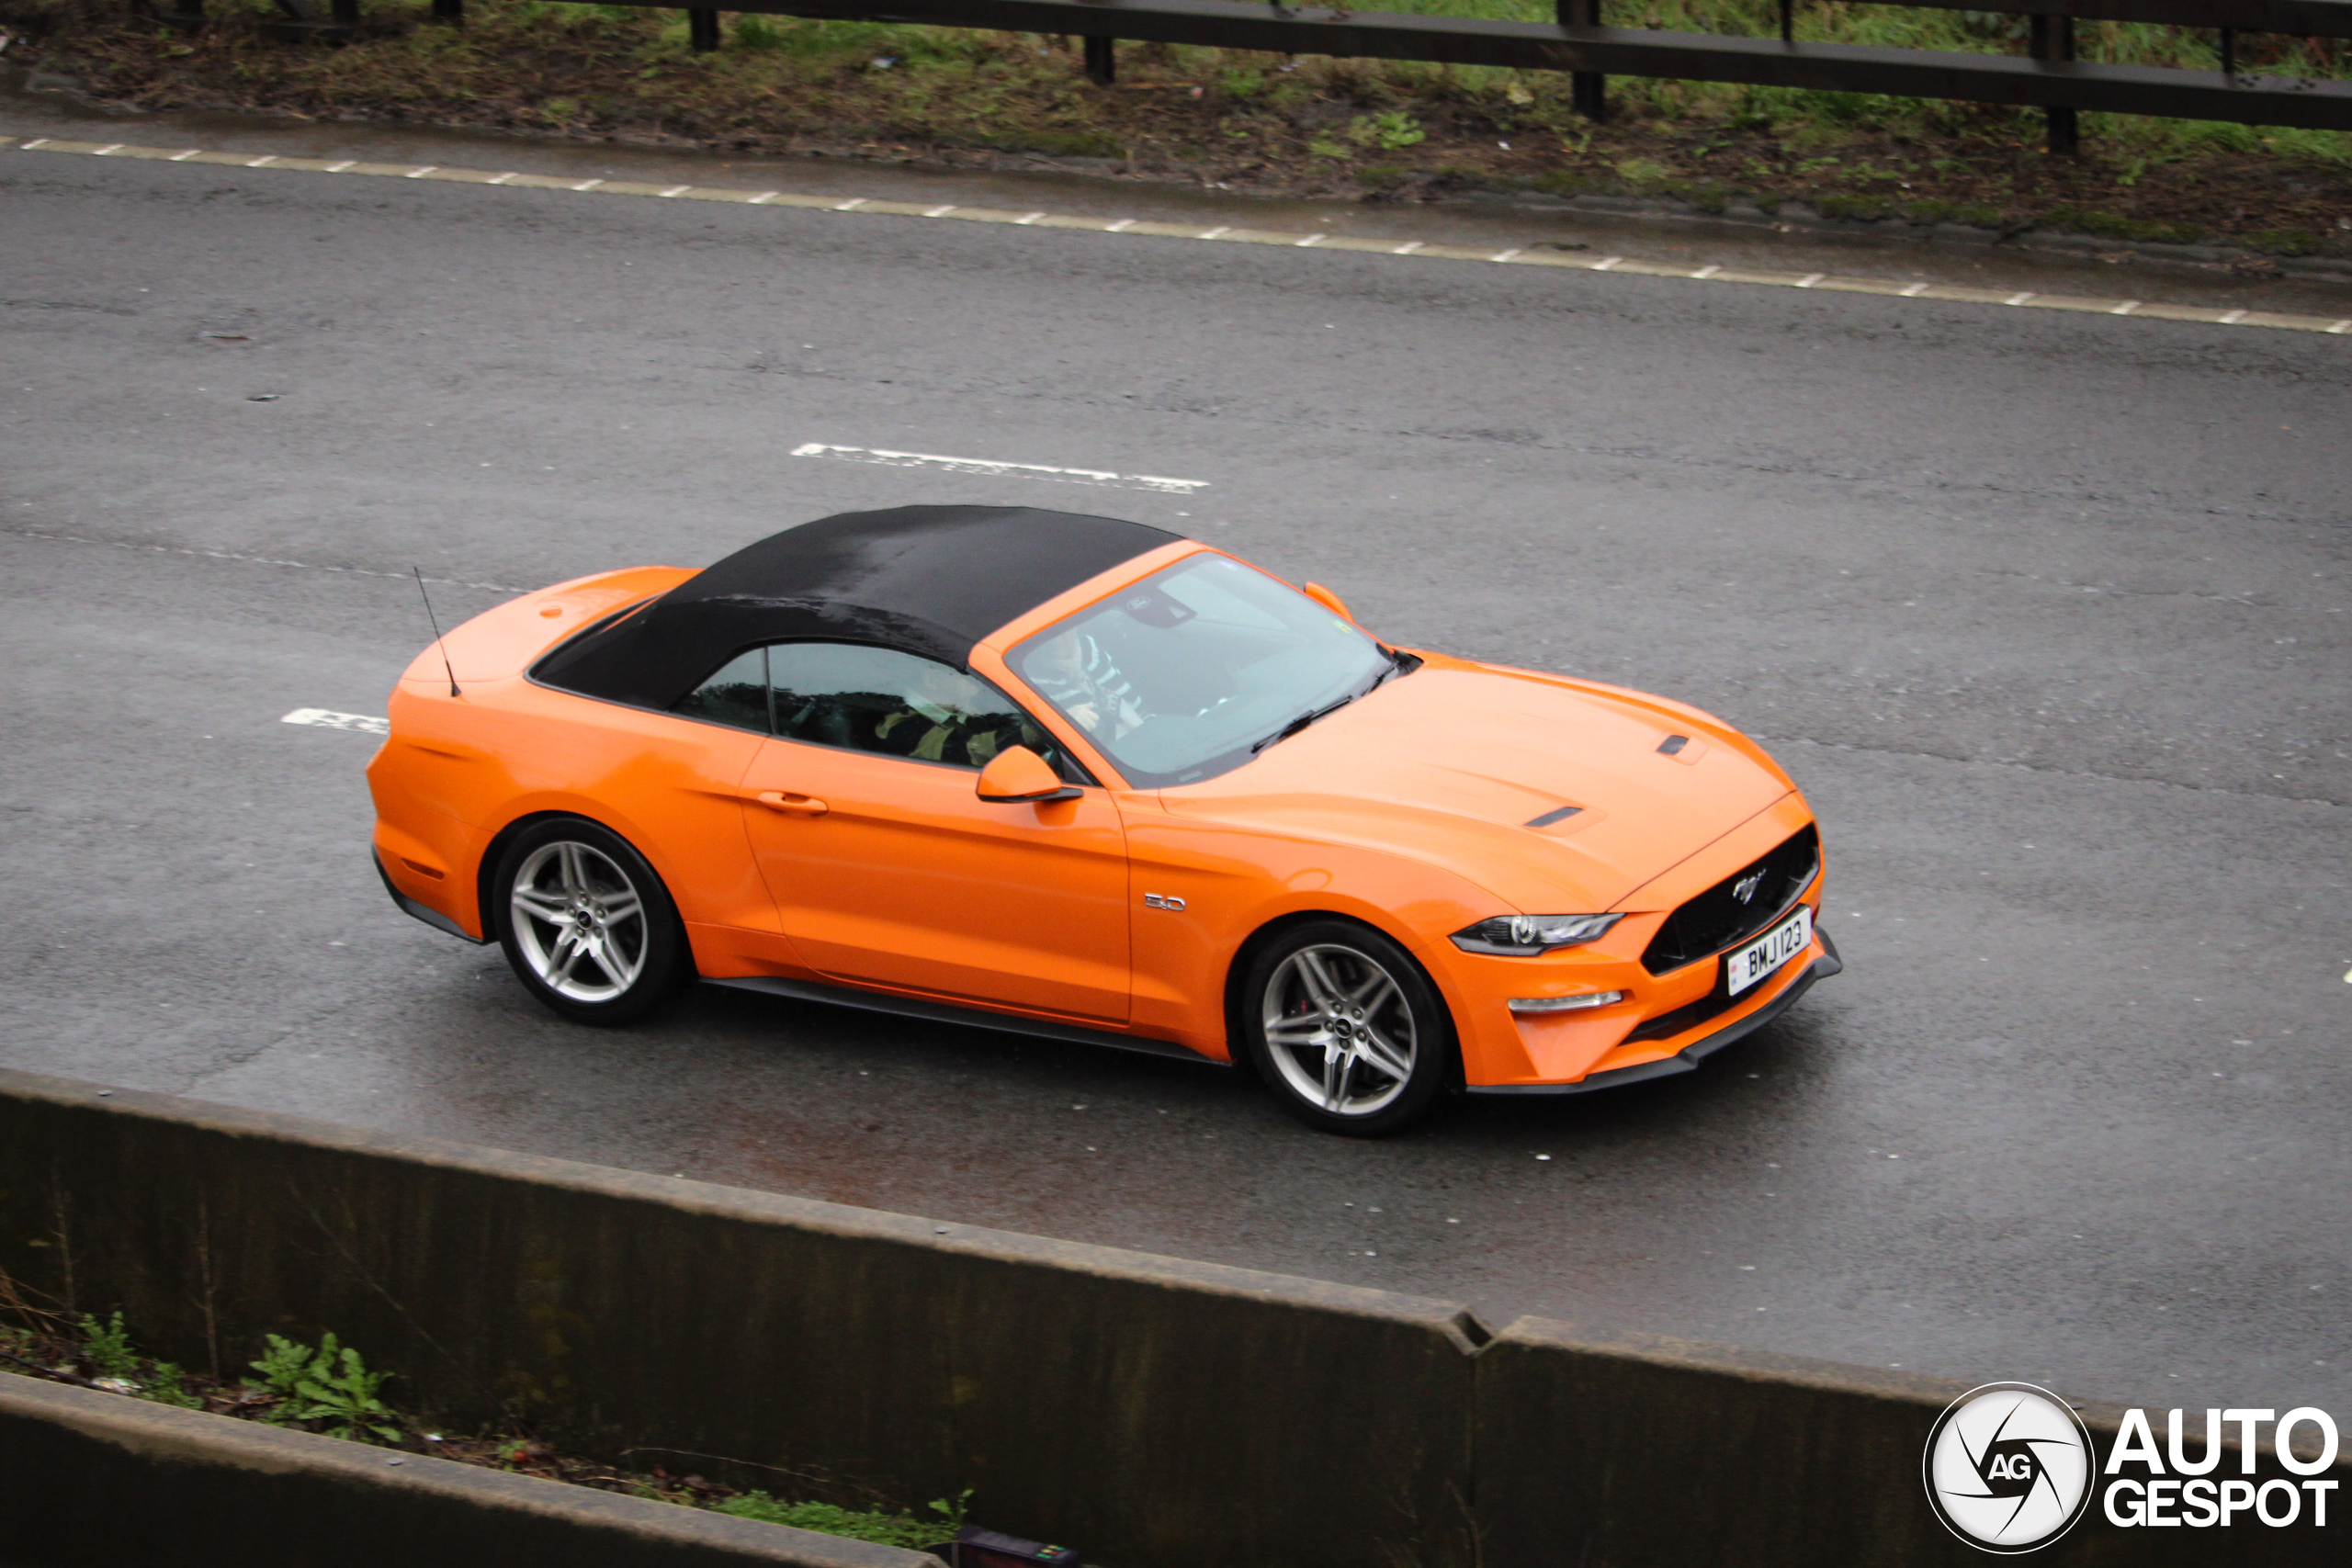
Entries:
{"x":2047,"y":614}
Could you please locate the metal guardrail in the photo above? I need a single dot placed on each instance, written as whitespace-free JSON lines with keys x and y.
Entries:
{"x":1578,"y":44}
{"x":2051,"y":78}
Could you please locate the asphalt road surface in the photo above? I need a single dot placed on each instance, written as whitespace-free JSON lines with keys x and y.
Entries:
{"x":2047,"y":613}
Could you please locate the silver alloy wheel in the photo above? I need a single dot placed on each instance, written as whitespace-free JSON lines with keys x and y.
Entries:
{"x":1339,"y":1029}
{"x":579,"y":920}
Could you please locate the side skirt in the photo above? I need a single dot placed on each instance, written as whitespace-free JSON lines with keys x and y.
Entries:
{"x":977,"y":1018}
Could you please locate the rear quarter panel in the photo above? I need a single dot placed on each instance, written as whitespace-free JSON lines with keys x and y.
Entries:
{"x":458,"y":769}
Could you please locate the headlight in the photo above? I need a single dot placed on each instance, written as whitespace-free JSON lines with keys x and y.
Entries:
{"x":1521,"y":936}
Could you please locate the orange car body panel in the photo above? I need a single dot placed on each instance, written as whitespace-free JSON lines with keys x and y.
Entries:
{"x":1407,"y":810}
{"x":903,"y":877}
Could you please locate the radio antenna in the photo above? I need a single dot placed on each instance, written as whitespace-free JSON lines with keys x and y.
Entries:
{"x":434,"y":623}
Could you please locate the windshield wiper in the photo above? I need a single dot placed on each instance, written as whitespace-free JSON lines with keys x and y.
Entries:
{"x":1399,"y":664}
{"x":1301,"y":722}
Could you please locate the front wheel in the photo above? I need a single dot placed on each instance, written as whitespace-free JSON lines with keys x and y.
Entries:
{"x":1345,"y":1028}
{"x":586,"y":925}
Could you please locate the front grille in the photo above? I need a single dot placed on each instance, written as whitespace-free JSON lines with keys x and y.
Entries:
{"x":1717,"y":918}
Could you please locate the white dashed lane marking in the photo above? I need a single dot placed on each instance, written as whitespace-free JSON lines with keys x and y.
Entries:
{"x":1000,"y":470}
{"x":1946,"y":293}
{"x":327,"y":719}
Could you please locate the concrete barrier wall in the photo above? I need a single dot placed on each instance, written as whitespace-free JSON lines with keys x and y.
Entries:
{"x":1159,"y":1413}
{"x":1635,"y":1449}
{"x":97,"y":1480}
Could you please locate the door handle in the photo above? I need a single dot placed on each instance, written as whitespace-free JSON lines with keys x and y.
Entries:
{"x":791,"y":804}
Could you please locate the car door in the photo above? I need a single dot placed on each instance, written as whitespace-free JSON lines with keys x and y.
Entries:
{"x":887,"y":868}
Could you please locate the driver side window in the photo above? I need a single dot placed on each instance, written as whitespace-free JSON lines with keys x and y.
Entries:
{"x":897,"y":705}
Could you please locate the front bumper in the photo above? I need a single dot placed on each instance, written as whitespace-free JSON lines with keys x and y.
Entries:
{"x":1689,"y":1056}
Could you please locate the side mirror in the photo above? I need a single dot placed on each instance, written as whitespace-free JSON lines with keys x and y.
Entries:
{"x":1329,"y":599}
{"x":1018,"y":775}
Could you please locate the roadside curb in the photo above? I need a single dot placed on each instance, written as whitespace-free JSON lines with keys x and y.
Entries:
{"x":1801,"y":217}
{"x":107,"y":1480}
{"x":1534,"y":255}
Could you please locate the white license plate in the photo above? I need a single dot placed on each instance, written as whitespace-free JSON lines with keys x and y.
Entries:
{"x":1769,"y":952}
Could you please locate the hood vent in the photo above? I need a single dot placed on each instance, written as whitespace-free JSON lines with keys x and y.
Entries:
{"x":1560,"y":814}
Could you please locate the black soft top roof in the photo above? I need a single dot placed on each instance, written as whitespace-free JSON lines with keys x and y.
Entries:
{"x":927,"y":579}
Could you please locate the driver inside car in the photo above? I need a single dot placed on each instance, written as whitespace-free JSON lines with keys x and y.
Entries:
{"x":1074,"y":672}
{"x":931,"y":725}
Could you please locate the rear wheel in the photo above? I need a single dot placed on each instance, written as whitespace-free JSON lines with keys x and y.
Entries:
{"x":586,"y":925}
{"x":1344,"y":1027}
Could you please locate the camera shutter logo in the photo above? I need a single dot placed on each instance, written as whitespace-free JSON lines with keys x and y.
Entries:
{"x":2008,"y":1467}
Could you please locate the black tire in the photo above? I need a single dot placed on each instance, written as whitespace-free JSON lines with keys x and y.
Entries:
{"x":1360,"y":1041}
{"x":564,"y":879}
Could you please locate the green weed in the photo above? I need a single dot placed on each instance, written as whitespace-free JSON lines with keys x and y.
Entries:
{"x":168,"y":1385}
{"x":1063,"y":143}
{"x":889,"y":1530}
{"x":2287,"y":242}
{"x":330,"y":1383}
{"x":1390,"y":133}
{"x":108,"y":1348}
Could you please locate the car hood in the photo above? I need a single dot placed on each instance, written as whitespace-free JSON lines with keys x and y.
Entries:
{"x":1451,"y":764}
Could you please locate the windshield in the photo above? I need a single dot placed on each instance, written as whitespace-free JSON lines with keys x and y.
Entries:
{"x":1179,"y":677}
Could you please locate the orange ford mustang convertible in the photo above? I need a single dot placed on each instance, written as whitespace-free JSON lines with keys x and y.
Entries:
{"x":1084,"y":778}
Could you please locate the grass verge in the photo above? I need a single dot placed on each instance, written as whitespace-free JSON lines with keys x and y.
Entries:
{"x":1375,"y":130}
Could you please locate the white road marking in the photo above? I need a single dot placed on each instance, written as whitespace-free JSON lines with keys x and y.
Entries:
{"x":1212,"y":234}
{"x":327,"y":719}
{"x":1005,"y":470}
{"x":272,"y":160}
{"x":1506,"y":255}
